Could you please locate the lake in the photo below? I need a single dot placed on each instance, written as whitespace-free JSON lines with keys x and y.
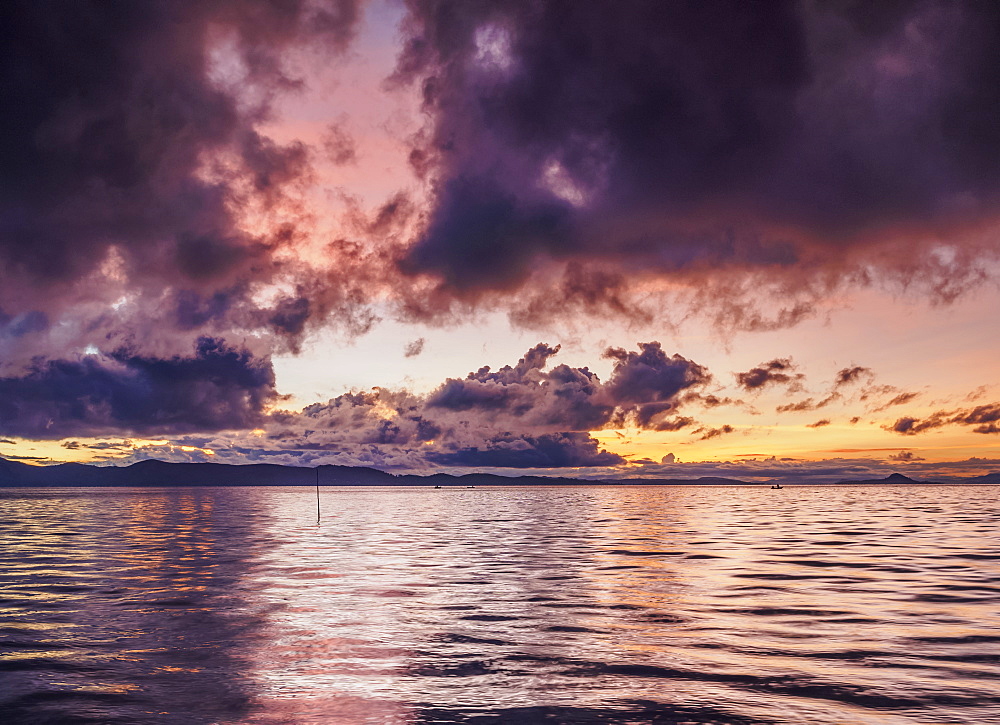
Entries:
{"x":691,"y":604}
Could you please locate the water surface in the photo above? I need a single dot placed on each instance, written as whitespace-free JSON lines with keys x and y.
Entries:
{"x":489,"y":605}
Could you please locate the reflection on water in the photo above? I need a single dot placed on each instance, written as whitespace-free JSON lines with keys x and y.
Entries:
{"x":625,"y":605}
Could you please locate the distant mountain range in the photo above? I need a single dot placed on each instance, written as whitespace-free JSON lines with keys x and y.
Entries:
{"x":895,"y":478}
{"x":161,"y":473}
{"x":898,"y":478}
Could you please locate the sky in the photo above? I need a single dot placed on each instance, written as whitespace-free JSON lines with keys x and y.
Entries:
{"x":641,"y":240}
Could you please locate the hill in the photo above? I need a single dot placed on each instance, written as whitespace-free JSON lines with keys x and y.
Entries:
{"x":987,"y":478}
{"x":895,"y":478}
{"x":161,"y":473}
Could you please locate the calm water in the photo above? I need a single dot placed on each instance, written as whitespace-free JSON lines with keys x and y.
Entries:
{"x":521,"y":605}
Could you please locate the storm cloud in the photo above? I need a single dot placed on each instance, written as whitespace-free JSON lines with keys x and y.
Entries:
{"x":133,"y":157}
{"x":569,"y":151}
{"x":217,"y":388}
{"x":792,"y":142}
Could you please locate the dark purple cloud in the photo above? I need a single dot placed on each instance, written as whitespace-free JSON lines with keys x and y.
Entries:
{"x":557,"y":450}
{"x":912,"y":426}
{"x":852,"y":374}
{"x":671,"y":424}
{"x":111,"y":445}
{"x":217,"y":388}
{"x":132,"y":151}
{"x":701,"y":139}
{"x":710,"y":400}
{"x":643,"y":388}
{"x":984,"y":418}
{"x":530,"y":415}
{"x":710,"y":433}
{"x":571,"y":154}
{"x":647,"y":383}
{"x":780,"y":371}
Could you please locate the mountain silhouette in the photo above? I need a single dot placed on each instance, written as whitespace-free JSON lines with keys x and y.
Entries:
{"x":161,"y":473}
{"x":897,"y":478}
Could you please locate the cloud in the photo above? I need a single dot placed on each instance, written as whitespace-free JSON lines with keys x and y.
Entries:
{"x":819,"y":423}
{"x":218,"y":388}
{"x":709,"y":433}
{"x":414,"y":347}
{"x":671,"y":424}
{"x":533,"y":414}
{"x":985,"y":415}
{"x":141,"y":199}
{"x":734,"y":150}
{"x":547,"y":451}
{"x":807,"y":404}
{"x":984,"y":418}
{"x":853,"y":374}
{"x":900,"y":399}
{"x":977,"y":394}
{"x":575,"y":163}
{"x":710,"y":400}
{"x":776,"y":372}
{"x":646,"y":384}
{"x":643,"y":389}
{"x":905,"y":456}
{"x":912,"y":426}
{"x":338,"y":145}
{"x":112,"y":445}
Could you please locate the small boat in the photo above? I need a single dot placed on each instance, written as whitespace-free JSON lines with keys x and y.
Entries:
{"x":776,"y":486}
{"x":437,"y":487}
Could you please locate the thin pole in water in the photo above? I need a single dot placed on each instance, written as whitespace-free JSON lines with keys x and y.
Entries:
{"x":317,"y":494}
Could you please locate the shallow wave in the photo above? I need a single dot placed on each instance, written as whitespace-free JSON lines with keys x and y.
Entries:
{"x":519,"y":605}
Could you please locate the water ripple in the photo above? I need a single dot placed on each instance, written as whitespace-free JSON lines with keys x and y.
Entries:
{"x":518,"y":605}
